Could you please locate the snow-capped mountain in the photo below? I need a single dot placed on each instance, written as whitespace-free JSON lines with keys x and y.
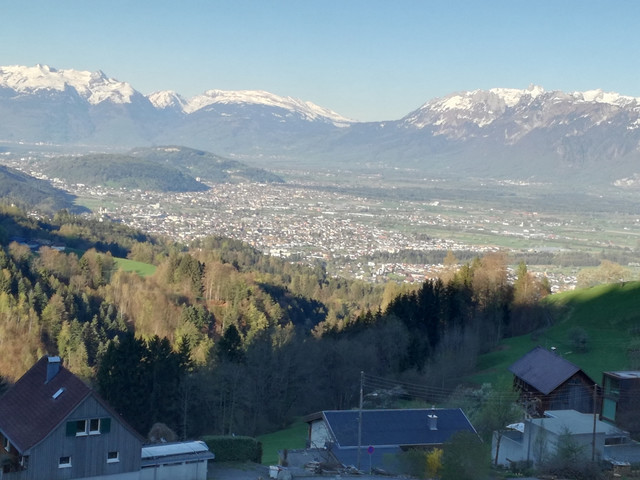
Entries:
{"x":306,"y":110}
{"x":498,"y":132}
{"x":470,"y":114}
{"x":167,"y":99}
{"x":94,"y":87}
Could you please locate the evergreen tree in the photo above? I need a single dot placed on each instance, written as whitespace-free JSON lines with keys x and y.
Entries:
{"x":123,"y":380}
{"x":229,"y":347}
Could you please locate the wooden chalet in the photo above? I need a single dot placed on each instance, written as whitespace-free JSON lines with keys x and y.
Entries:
{"x":546,"y":381}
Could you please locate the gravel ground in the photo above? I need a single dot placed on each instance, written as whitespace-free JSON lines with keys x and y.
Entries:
{"x":237,"y":471}
{"x":253,"y":471}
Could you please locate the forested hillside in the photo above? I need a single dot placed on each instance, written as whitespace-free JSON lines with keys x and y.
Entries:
{"x":222,"y":339}
{"x":121,"y":171}
{"x":164,"y":169}
{"x":31,"y":193}
{"x":206,"y":165}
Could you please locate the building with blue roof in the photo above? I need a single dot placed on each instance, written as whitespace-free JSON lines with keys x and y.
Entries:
{"x":382,"y":434}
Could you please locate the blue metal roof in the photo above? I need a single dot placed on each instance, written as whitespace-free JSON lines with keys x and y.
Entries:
{"x":392,"y":428}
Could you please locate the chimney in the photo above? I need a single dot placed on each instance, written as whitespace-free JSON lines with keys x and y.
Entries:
{"x":53,"y":367}
{"x":433,"y":420}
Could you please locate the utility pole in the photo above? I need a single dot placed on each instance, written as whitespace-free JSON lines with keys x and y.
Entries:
{"x":360,"y":417}
{"x":593,"y":440}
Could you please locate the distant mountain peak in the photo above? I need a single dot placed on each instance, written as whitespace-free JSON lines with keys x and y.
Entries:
{"x":307,"y":110}
{"x":484,"y":107}
{"x":167,"y":99}
{"x":95,"y":87}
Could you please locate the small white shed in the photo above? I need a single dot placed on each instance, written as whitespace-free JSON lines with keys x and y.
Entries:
{"x":168,"y":461}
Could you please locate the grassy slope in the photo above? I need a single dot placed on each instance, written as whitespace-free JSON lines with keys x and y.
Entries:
{"x":291,"y":438}
{"x":610,"y":314}
{"x":142,"y":269}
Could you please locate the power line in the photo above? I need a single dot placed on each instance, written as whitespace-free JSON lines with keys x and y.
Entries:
{"x":439,"y":394}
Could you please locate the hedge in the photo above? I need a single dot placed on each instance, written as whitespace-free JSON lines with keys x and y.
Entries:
{"x":234,"y":448}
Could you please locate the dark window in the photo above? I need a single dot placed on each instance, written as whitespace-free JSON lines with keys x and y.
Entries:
{"x":113,"y":457}
{"x":64,"y":462}
{"x":611,"y":387}
{"x":81,"y":427}
{"x":94,"y":426}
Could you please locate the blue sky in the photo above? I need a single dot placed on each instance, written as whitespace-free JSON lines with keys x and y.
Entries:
{"x":365,"y":59}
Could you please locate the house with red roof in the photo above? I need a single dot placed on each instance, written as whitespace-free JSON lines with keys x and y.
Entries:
{"x":53,"y":426}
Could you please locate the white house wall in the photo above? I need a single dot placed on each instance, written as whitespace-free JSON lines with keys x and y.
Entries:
{"x":538,"y":444}
{"x":319,"y":434}
{"x":511,"y":448}
{"x":182,"y":471}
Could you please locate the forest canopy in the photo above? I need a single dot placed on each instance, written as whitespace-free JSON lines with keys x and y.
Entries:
{"x":223,"y":339}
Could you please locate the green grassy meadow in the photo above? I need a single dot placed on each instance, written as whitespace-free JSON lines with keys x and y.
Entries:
{"x":142,"y":269}
{"x":610,"y":314}
{"x":293,"y":437}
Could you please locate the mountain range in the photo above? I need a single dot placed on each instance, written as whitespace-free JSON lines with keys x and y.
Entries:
{"x":528,"y":134}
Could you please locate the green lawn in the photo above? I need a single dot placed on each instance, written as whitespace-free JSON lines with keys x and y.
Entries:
{"x":610,"y":314}
{"x":142,"y":269}
{"x":291,"y":438}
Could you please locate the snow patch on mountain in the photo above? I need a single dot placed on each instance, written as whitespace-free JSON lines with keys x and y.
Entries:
{"x":308,"y":110}
{"x":167,"y":99}
{"x":600,"y":96}
{"x":95,"y":87}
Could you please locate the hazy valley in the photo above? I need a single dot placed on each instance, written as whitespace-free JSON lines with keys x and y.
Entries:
{"x":377,"y":225}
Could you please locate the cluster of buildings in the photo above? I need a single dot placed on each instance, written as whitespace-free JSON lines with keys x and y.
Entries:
{"x":559,"y":402}
{"x":310,"y":224}
{"x":564,"y":402}
{"x":53,"y":426}
{"x":306,"y":222}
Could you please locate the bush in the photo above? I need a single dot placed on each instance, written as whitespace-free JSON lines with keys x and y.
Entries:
{"x":579,"y":338}
{"x":571,"y":460}
{"x":522,"y":468}
{"x":234,"y":449}
{"x":412,"y":462}
{"x":465,"y":457}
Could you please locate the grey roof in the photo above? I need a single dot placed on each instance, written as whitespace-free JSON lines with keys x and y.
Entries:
{"x":544,"y":370}
{"x":178,"y":452}
{"x":624,"y":374}
{"x":561,"y":421}
{"x":390,"y":428}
